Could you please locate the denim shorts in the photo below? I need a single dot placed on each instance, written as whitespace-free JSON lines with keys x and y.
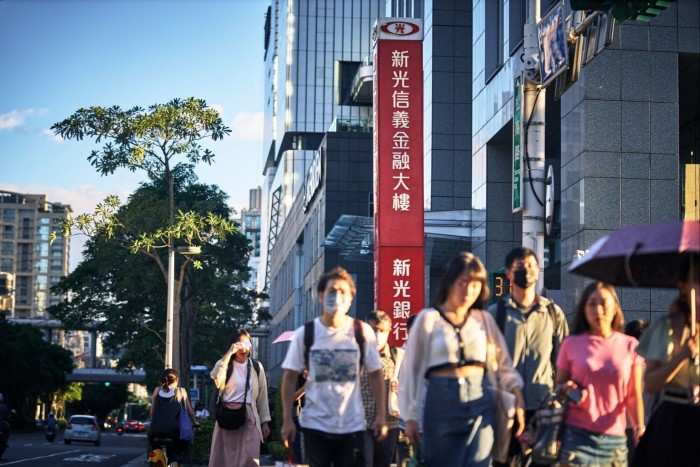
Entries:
{"x":581,"y":447}
{"x":458,"y":422}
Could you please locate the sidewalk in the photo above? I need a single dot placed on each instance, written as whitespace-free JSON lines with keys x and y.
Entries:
{"x":264,"y":460}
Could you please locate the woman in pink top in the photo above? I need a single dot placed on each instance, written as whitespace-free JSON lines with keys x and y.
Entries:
{"x":603,"y":363}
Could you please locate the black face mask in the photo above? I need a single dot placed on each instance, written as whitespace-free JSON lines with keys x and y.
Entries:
{"x":525,"y":278}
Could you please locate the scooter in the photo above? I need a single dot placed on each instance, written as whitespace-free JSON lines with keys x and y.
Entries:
{"x":51,"y":432}
{"x":120,"y":429}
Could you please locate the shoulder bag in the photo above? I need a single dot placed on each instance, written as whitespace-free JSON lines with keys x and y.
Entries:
{"x":232,"y":419}
{"x":505,"y":404}
{"x":545,"y":428}
{"x":186,"y":431}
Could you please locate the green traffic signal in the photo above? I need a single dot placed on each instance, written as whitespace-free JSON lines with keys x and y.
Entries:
{"x":107,"y":383}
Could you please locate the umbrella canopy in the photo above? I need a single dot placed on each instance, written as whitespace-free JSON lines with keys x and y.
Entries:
{"x":641,"y":255}
{"x":286,"y":336}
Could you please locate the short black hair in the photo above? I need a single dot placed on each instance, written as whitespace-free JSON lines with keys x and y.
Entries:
{"x":520,"y":252}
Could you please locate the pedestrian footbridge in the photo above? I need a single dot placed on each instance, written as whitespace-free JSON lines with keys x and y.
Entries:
{"x":105,"y":375}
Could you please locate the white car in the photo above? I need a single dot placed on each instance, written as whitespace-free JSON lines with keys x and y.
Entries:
{"x":82,"y":428}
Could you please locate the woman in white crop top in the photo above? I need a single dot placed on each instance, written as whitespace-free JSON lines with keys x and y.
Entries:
{"x":442,"y":377}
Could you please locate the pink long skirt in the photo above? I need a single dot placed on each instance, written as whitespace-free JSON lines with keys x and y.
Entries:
{"x":236,"y":448}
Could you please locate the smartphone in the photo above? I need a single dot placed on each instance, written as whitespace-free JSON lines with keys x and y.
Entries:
{"x":574,"y":395}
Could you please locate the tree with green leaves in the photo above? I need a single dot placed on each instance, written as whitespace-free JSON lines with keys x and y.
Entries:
{"x":123,"y":295}
{"x":152,"y":140}
{"x":32,"y":369}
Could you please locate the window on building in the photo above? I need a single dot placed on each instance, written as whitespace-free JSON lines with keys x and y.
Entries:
{"x":493,"y":55}
{"x":6,"y":264}
{"x":8,"y":249}
{"x":517,"y":16}
{"x":345,"y":73}
{"x":8,"y":215}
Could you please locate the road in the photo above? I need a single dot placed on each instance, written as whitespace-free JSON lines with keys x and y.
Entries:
{"x":32,"y":450}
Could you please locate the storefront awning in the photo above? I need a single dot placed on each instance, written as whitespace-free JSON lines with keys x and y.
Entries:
{"x":446,"y":233}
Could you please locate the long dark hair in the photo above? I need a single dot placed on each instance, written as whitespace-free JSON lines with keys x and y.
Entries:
{"x":168,"y":377}
{"x":463,"y":262}
{"x":689,"y":263}
{"x":236,"y":336}
{"x":581,"y":325}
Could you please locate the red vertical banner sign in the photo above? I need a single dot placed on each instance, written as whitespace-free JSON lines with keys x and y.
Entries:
{"x":398,"y":171}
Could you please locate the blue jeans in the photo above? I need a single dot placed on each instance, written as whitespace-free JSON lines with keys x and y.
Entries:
{"x":458,"y":423}
{"x":582,"y":447}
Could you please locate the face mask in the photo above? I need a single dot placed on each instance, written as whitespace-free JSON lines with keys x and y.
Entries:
{"x":382,"y":339}
{"x":336,"y":304}
{"x":525,"y":278}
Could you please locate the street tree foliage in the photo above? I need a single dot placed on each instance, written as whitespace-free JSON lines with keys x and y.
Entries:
{"x":152,"y":140}
{"x":99,"y":400}
{"x":32,"y":369}
{"x":124,"y":295}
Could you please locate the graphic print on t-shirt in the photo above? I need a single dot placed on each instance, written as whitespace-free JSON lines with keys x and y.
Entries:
{"x":334,"y":365}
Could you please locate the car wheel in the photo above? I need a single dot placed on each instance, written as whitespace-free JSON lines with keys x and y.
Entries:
{"x":66,"y":441}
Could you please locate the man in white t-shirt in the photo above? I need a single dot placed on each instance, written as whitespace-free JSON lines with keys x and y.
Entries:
{"x":332,"y":420}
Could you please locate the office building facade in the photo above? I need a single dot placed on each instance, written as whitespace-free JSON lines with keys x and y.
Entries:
{"x":26,"y":221}
{"x":622,"y":140}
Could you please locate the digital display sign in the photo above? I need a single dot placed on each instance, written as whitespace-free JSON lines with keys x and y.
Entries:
{"x":499,"y":284}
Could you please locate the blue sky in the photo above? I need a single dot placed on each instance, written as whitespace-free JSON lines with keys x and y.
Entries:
{"x":57,"y":56}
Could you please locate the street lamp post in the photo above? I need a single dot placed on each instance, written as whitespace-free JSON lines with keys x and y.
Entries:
{"x":170,"y":305}
{"x":170,"y":321}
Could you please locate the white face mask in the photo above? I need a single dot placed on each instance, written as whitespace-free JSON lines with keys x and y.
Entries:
{"x":382,"y":339}
{"x":335,"y":303}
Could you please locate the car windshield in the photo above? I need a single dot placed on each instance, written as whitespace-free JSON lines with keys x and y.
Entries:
{"x":81,"y":421}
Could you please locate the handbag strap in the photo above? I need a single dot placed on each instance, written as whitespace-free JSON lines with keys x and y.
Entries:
{"x":247,"y":385}
{"x":458,"y":332}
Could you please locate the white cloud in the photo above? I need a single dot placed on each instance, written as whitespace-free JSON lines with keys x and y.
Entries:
{"x":16,"y":118}
{"x":50,"y":135}
{"x":219,"y":108}
{"x":247,"y":126}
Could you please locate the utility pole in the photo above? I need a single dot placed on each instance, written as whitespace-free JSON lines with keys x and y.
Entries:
{"x":534,"y":131}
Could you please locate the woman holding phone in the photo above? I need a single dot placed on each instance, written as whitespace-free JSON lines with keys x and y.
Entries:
{"x":240,"y":380}
{"x":600,"y":372}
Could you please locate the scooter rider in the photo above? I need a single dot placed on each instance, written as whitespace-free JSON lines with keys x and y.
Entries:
{"x":5,"y":414}
{"x":51,"y":427}
{"x":51,"y":421}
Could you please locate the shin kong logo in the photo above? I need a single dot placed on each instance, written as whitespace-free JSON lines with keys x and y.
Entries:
{"x":400,"y":28}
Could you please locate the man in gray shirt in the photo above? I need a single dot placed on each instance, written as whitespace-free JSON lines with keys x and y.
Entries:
{"x":534,"y":327}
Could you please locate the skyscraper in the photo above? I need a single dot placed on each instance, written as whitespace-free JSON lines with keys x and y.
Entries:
{"x":26,"y":222}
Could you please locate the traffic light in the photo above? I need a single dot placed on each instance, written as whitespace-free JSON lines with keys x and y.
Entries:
{"x":591,"y":5}
{"x":623,"y":10}
{"x":499,"y":284}
{"x":640,"y":10}
{"x":107,"y":383}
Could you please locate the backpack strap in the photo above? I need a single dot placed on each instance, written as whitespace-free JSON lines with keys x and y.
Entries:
{"x":360,"y":339}
{"x":393,"y":351}
{"x":501,"y":316}
{"x":555,"y":325}
{"x":309,"y":330}
{"x":256,"y":365}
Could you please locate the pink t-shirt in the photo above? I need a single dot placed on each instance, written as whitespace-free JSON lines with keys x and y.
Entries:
{"x":603,"y":367}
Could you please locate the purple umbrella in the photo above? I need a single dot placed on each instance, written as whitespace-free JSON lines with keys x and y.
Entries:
{"x":646,"y":255}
